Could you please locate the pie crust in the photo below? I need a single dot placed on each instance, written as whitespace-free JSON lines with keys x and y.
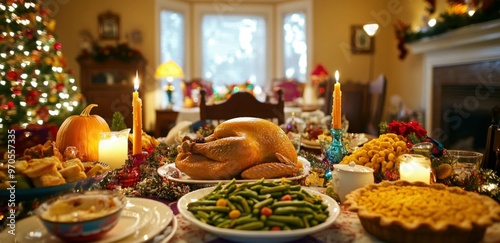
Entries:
{"x":402,"y":211}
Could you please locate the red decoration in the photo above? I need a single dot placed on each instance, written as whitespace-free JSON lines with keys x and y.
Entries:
{"x":12,"y":75}
{"x":319,"y":71}
{"x":43,"y":113}
{"x":32,"y":97}
{"x":59,"y":87}
{"x":57,"y":46}
{"x":29,"y":33}
{"x":16,"y":90}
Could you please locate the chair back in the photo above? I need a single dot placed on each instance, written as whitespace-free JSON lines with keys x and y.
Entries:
{"x":377,"y":92}
{"x":242,"y":104}
{"x":491,"y":156}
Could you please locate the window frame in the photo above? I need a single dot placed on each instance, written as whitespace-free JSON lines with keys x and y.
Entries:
{"x":255,"y":9}
{"x":273,"y":13}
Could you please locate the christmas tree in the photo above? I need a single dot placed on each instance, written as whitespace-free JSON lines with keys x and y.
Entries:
{"x":35,"y":86}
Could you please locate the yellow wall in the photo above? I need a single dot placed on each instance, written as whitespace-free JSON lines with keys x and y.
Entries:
{"x":332,"y":22}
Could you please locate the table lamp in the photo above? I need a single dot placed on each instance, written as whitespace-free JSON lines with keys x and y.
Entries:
{"x":169,"y":70}
{"x":371,"y":30}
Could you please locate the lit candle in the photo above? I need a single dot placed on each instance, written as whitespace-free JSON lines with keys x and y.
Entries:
{"x":415,"y":169}
{"x":113,"y":148}
{"x":337,"y":104}
{"x":137,"y":119}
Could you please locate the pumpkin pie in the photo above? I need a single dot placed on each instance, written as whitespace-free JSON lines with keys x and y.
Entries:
{"x":402,"y":211}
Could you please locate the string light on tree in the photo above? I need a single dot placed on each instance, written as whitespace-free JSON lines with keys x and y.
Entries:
{"x":34,"y":82}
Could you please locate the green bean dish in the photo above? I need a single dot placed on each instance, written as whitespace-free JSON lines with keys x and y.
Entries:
{"x":260,"y":205}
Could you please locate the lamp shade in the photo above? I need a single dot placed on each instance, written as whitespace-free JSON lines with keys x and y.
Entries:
{"x":370,"y":29}
{"x":169,"y":69}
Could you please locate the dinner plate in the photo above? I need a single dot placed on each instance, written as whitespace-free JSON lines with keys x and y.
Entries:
{"x":257,"y":236}
{"x":157,"y":216}
{"x":141,"y":220}
{"x":310,"y":143}
{"x":44,"y":192}
{"x":170,"y":172}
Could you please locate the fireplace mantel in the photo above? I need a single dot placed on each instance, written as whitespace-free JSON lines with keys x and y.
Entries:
{"x":470,"y":44}
{"x":472,"y":34}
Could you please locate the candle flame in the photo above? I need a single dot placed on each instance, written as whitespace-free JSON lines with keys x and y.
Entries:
{"x":136,"y":81}
{"x":337,"y":76}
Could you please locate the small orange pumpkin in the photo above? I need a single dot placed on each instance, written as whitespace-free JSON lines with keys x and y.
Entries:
{"x":83,"y":132}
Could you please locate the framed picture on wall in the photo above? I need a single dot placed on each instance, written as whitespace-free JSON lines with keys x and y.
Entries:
{"x":361,"y":42}
{"x":109,"y":26}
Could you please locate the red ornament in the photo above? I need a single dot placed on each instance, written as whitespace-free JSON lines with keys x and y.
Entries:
{"x":43,"y":113}
{"x":32,"y":97}
{"x":57,"y":46}
{"x":29,"y":33}
{"x":16,"y":90}
{"x":12,"y":75}
{"x":59,"y":87}
{"x":11,"y":105}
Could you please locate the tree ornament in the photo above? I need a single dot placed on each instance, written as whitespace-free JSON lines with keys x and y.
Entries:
{"x":53,"y":99}
{"x":57,"y":46}
{"x":12,"y":75}
{"x":29,"y":33}
{"x":43,"y":113}
{"x":48,"y":60}
{"x":16,"y":90}
{"x":84,"y":132}
{"x":32,"y":97}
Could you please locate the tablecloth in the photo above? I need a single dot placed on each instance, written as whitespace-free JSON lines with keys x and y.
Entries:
{"x":346,"y":228}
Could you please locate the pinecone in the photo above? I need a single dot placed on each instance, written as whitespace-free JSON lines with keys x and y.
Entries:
{"x":443,"y":171}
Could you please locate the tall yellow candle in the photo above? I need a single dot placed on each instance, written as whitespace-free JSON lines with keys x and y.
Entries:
{"x":137,"y":119}
{"x":337,"y":103}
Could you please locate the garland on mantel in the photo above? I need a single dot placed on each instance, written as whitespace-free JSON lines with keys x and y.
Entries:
{"x":121,"y":52}
{"x":455,"y":17}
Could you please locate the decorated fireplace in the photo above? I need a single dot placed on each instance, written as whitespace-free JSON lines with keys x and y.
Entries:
{"x":461,"y":83}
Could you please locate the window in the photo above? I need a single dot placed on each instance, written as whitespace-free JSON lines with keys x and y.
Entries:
{"x":237,"y":42}
{"x":234,"y":49}
{"x":172,"y":45}
{"x":295,"y":46}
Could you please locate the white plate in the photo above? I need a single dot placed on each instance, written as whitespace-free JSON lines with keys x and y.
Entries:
{"x":141,"y":220}
{"x":159,"y":214}
{"x":170,"y":172}
{"x":260,"y":236}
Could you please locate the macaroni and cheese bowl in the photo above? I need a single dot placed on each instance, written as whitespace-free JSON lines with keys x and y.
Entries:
{"x":85,"y":216}
{"x":402,"y":211}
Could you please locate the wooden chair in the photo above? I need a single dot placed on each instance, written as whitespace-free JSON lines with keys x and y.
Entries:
{"x":362,"y":104}
{"x":491,"y":156}
{"x":377,"y":91}
{"x":242,"y":104}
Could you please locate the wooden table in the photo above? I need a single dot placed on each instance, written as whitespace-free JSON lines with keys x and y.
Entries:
{"x":165,"y":120}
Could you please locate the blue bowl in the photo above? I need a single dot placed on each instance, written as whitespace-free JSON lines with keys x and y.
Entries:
{"x":83,"y":216}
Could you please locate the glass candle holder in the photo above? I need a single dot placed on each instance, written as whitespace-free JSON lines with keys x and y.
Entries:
{"x":415,"y":167}
{"x":335,"y":152}
{"x":465,"y":162}
{"x":113,"y":148}
{"x":423,"y":149}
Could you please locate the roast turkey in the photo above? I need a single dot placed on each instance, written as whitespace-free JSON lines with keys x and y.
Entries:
{"x":244,"y":147}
